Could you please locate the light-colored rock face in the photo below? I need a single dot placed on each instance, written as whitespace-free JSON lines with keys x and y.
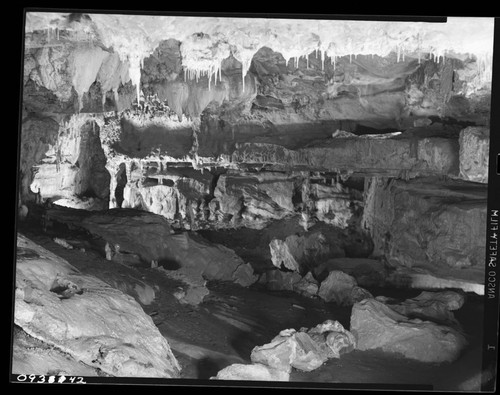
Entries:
{"x":46,"y":360}
{"x":97,"y":325}
{"x":306,"y":349}
{"x":72,"y":166}
{"x":377,"y":326}
{"x":253,"y":371}
{"x":474,"y":154}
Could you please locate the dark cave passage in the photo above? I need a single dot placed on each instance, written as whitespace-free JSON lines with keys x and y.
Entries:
{"x":121,"y":181}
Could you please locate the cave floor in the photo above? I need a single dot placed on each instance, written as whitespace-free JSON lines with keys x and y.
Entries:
{"x":231,"y":320}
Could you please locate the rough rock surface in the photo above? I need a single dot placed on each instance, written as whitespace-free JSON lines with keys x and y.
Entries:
{"x":432,"y":306}
{"x":39,"y":135}
{"x":254,"y":371}
{"x":332,"y":338}
{"x":86,"y":318}
{"x":433,"y":227}
{"x":376,"y":326}
{"x":299,"y":253}
{"x":289,"y":349}
{"x":129,"y":233}
{"x":307,"y":286}
{"x":342,"y":289}
{"x":474,"y":154}
{"x":135,"y":237}
{"x":34,"y":356}
{"x":196,"y":257}
{"x":73,"y":166}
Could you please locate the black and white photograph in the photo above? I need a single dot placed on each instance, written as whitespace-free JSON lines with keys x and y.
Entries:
{"x":261,"y":200}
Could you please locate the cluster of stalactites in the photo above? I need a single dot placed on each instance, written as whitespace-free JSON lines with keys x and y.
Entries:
{"x":213,"y":72}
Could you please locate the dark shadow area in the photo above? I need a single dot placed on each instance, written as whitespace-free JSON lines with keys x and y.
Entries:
{"x":140,"y":142}
{"x":209,"y":367}
{"x":121,"y":181}
{"x":169,"y":264}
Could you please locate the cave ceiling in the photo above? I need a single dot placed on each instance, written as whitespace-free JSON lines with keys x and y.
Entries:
{"x":275,"y":74}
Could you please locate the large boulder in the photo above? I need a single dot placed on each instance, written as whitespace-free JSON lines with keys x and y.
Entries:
{"x":299,"y":252}
{"x":332,"y":338}
{"x":289,"y":349}
{"x":342,"y":289}
{"x":86,"y":318}
{"x":198,"y":257}
{"x":253,"y":199}
{"x":34,"y":356}
{"x":376,"y":326}
{"x":74,"y":166}
{"x":127,"y":232}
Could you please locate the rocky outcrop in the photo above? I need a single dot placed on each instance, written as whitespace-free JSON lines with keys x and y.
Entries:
{"x":394,"y":156}
{"x":434,"y":228}
{"x":134,"y":237}
{"x":377,"y":326}
{"x":35,"y":356}
{"x":72,"y":169}
{"x":219,"y":197}
{"x":299,"y":253}
{"x":197,"y":257}
{"x":84,"y":317}
{"x":127,"y":236}
{"x":474,"y":153}
{"x":39,"y":134}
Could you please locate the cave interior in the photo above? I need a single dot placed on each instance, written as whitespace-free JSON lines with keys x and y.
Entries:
{"x":253,"y":199}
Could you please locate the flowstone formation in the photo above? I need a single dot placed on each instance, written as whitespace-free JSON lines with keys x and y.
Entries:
{"x":322,"y":157}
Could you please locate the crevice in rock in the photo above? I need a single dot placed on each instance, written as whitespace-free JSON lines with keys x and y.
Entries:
{"x":121,"y":181}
